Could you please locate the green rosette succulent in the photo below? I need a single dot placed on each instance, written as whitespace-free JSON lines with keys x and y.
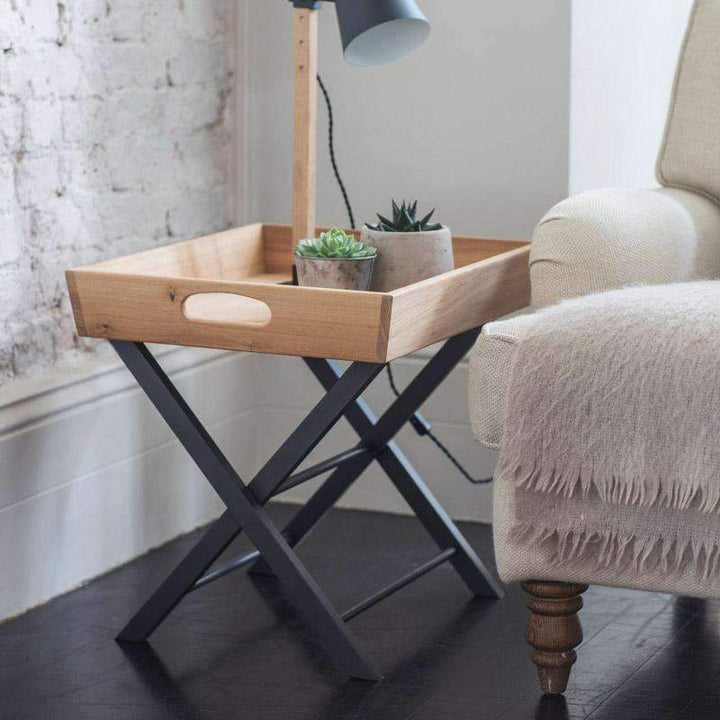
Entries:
{"x":405,"y":220}
{"x":334,"y":244}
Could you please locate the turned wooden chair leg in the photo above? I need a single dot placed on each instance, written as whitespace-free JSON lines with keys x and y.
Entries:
{"x":554,"y":630}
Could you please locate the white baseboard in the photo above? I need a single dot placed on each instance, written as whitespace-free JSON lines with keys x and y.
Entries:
{"x":96,"y":478}
{"x":90,"y":476}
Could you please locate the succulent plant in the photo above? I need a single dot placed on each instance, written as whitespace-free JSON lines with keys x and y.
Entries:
{"x":336,"y":244}
{"x":404,"y":220}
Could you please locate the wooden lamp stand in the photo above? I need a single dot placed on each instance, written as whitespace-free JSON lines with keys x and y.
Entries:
{"x":305,"y":133}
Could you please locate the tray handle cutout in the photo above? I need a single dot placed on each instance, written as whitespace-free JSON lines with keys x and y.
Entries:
{"x":226,"y":309}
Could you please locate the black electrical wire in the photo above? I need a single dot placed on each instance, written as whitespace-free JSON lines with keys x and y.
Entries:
{"x":432,"y":437}
{"x":422,"y":428}
{"x":331,"y":146}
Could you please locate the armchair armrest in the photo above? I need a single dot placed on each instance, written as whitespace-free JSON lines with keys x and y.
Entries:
{"x":606,"y":239}
{"x":596,"y":241}
{"x":490,"y":362}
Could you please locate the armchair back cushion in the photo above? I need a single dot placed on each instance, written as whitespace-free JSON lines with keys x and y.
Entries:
{"x":690,"y":155}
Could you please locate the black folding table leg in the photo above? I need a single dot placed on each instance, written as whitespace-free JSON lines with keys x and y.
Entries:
{"x":317,"y":506}
{"x":438,"y":523}
{"x":328,"y":372}
{"x":246,"y":507}
{"x":164,"y":600}
{"x":404,"y":476}
{"x":300,"y":443}
{"x":378,"y":434}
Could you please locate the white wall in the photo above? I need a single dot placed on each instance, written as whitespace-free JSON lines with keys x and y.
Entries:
{"x":624,"y":54}
{"x":137,"y":154}
{"x":475,"y":122}
{"x":115,"y":135}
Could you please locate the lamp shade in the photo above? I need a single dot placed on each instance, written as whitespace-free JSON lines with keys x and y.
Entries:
{"x":375,"y":32}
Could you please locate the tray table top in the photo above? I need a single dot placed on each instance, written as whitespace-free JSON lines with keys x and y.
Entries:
{"x":232,"y":290}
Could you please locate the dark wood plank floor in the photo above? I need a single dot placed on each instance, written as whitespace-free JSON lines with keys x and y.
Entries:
{"x":235,"y":649}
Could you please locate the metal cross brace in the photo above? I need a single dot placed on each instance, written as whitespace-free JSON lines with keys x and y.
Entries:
{"x":274,"y":549}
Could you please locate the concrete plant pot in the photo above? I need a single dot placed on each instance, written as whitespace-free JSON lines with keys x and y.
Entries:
{"x":406,"y":258}
{"x":338,"y":273}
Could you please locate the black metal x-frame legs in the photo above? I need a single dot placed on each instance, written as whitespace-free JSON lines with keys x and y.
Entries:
{"x":274,"y":549}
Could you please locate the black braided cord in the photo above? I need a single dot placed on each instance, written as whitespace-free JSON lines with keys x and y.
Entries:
{"x":426,"y":429}
{"x":331,"y":146}
{"x":431,"y":436}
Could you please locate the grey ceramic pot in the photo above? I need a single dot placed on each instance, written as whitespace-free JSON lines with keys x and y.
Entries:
{"x":406,"y":258}
{"x":338,"y":273}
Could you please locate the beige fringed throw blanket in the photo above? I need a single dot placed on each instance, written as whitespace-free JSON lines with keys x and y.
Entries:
{"x":612,"y":431}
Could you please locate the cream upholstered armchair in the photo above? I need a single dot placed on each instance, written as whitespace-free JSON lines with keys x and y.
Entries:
{"x":593,"y":243}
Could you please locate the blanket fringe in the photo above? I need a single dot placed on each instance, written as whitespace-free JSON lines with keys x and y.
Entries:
{"x":623,"y":552}
{"x":620,"y":489}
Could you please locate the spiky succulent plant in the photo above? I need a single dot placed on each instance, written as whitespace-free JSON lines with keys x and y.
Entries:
{"x":405,"y":220}
{"x":335,"y":244}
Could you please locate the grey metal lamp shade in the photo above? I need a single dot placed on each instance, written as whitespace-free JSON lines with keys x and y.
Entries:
{"x":375,"y":32}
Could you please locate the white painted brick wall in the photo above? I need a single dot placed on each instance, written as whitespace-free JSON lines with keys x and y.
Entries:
{"x":114,"y":137}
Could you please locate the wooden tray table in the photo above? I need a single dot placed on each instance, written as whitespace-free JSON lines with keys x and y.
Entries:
{"x":233,"y":290}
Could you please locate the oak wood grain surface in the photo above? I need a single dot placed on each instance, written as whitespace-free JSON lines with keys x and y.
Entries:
{"x":305,"y":128}
{"x":155,"y":296}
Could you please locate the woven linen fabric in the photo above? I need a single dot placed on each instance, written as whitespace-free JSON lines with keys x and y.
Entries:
{"x":490,"y":362}
{"x":606,"y":239}
{"x":597,"y":241}
{"x":610,"y":470}
{"x":690,"y":155}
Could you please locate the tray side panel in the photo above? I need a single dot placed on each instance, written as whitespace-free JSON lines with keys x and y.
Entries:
{"x":310,"y":322}
{"x":470,"y":296}
{"x":469,"y":250}
{"x":279,"y":246}
{"x":227,"y":255}
{"x":75,"y":302}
